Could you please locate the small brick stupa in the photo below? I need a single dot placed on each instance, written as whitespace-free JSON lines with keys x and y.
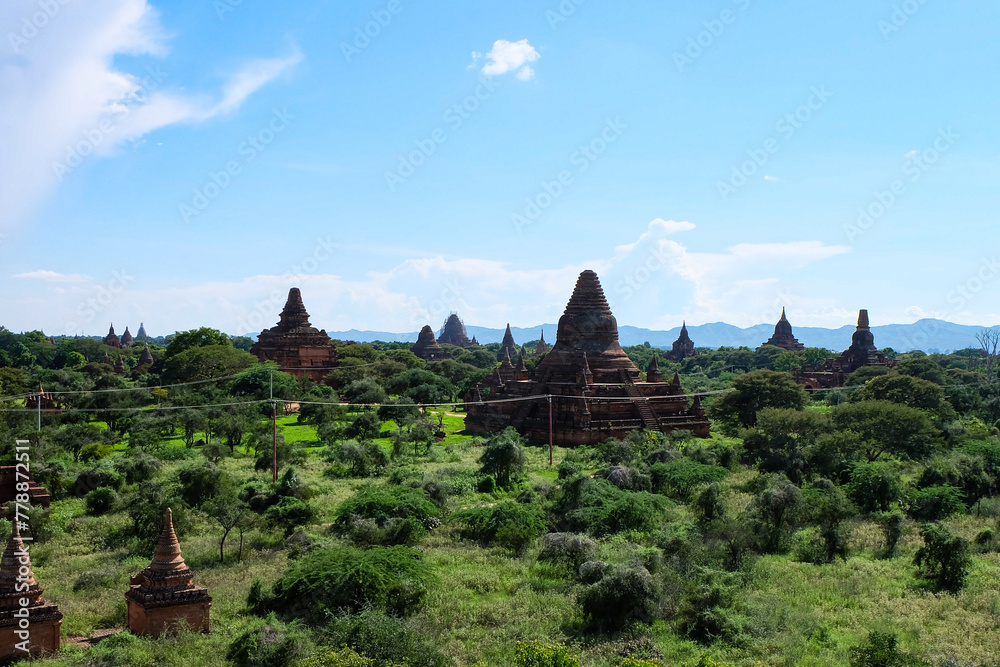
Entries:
{"x":298,"y":348}
{"x":120,"y":365}
{"x":596,"y":389}
{"x":162,"y":595}
{"x":783,"y":337}
{"x":683,"y":347}
{"x":507,"y":345}
{"x":427,"y":347}
{"x":834,"y":372}
{"x":127,"y":339}
{"x":111,"y":340}
{"x":541,"y":348}
{"x":453,"y":332}
{"x":39,"y":633}
{"x":146,"y":358}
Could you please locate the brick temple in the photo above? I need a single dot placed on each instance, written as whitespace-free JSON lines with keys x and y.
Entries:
{"x":683,"y":347}
{"x":163,"y":595}
{"x":298,"y":348}
{"x":453,"y":332}
{"x":834,"y":372}
{"x":596,"y":389}
{"x":507,"y":345}
{"x":427,"y":347}
{"x":112,"y":340}
{"x":541,"y":348}
{"x":8,"y":487}
{"x":19,"y":591}
{"x":783,"y":337}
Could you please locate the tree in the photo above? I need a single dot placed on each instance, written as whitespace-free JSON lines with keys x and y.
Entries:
{"x":885,"y":427}
{"x":989,"y":341}
{"x":944,"y":558}
{"x":503,"y":457}
{"x":229,"y":512}
{"x":773,"y":509}
{"x":906,"y":390}
{"x":783,"y":440}
{"x":751,"y":393}
{"x":259,"y":380}
{"x":203,"y":337}
{"x":205,"y":363}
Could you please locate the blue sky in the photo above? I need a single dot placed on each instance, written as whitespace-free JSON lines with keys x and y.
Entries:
{"x":710,"y":161}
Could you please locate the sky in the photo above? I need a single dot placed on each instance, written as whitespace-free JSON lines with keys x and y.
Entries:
{"x":183,"y":163}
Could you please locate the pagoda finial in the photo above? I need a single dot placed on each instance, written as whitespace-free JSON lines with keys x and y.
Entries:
{"x":167,"y":555}
{"x":862,"y":319}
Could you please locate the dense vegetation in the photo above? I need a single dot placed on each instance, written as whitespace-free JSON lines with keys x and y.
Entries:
{"x":854,"y":527}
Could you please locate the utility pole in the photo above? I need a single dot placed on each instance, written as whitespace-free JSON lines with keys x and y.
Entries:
{"x":39,"y":406}
{"x":550,"y":429}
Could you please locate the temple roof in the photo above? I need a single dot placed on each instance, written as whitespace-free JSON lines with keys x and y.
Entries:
{"x":427,"y":347}
{"x":141,"y":333}
{"x":146,"y":357}
{"x":167,"y":555}
{"x":453,"y":332}
{"x":587,"y":326}
{"x":293,"y":315}
{"x":507,"y":344}
{"x":11,"y":562}
{"x":127,"y":337}
{"x":783,"y":336}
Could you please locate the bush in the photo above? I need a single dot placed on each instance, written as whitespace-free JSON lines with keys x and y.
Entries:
{"x":567,"y":548}
{"x":538,"y":654}
{"x":95,"y":451}
{"x":503,"y":457}
{"x":600,"y":508}
{"x":101,"y":500}
{"x":391,"y":640}
{"x":324,"y":581}
{"x":935,"y":503}
{"x":620,"y":598}
{"x":486,"y":484}
{"x":874,"y":487}
{"x":944,"y":558}
{"x":201,"y":483}
{"x":678,"y":479}
{"x":272,"y":645}
{"x":880,"y":650}
{"x":138,"y":468}
{"x":289,"y":514}
{"x":396,"y":515}
{"x":511,"y":525}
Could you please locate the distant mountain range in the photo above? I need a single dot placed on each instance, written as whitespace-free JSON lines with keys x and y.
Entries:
{"x":928,"y":335}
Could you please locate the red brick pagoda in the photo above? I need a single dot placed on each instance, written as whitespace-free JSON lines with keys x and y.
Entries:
{"x":596,"y":389}
{"x":427,"y":347}
{"x":453,"y":332}
{"x":834,"y":372}
{"x":112,"y":340}
{"x":783,"y":337}
{"x":507,"y":345}
{"x":299,"y":348}
{"x":683,"y":347}
{"x":163,"y":595}
{"x":38,"y":632}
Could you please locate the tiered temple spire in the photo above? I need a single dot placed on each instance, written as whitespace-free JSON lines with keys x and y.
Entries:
{"x":783,"y":337}
{"x":299,"y":348}
{"x":507,"y":345}
{"x":163,"y":594}
{"x":19,"y":590}
{"x":427,"y":347}
{"x":453,"y":332}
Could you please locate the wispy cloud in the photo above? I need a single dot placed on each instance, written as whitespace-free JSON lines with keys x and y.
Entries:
{"x":62,"y":96}
{"x":53,"y":276}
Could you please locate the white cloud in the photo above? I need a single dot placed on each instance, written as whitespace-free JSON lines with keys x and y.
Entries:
{"x":507,"y":56}
{"x":53,"y":276}
{"x":771,"y":178}
{"x":61,"y":92}
{"x":653,"y":282}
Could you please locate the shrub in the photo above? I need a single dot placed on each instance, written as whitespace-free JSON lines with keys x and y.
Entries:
{"x":272,"y":645}
{"x":391,"y":640}
{"x":289,"y":514}
{"x":201,"y":483}
{"x":95,"y":451}
{"x":486,"y":484}
{"x":874,"y":487}
{"x":623,"y":596}
{"x":567,"y":548}
{"x":709,"y":612}
{"x":538,"y":654}
{"x":139,"y":467}
{"x":600,"y":508}
{"x":393,"y":579}
{"x":944,"y":558}
{"x":397,"y":515}
{"x":503,"y":457}
{"x":679,"y":478}
{"x":508,"y":523}
{"x":101,"y":500}
{"x":880,"y":650}
{"x":935,"y":503}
